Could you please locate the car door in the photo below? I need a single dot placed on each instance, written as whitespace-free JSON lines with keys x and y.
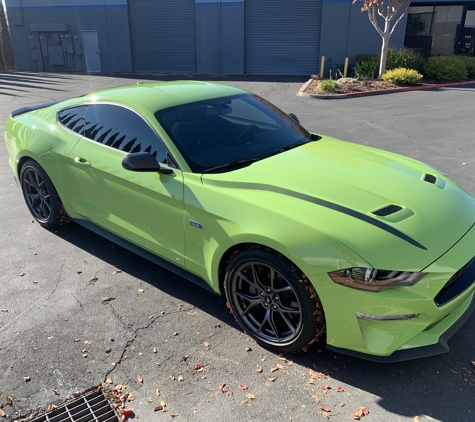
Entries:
{"x":145,"y":208}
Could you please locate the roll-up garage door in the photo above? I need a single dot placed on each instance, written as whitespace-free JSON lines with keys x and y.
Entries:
{"x":282,"y":36}
{"x":163,"y":35}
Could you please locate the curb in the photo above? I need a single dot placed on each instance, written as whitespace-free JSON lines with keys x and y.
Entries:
{"x":301,"y":92}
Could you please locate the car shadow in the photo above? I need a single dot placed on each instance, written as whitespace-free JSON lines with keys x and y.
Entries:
{"x":418,"y":387}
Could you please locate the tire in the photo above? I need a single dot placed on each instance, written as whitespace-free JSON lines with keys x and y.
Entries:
{"x":40,"y":195}
{"x":273,"y":301}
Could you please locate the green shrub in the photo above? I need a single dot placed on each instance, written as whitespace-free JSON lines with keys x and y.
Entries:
{"x":328,"y":85}
{"x":402,"y":76}
{"x":445,"y":68}
{"x":406,"y":58}
{"x":346,"y":80}
{"x":367,"y":65}
{"x":470,"y":65}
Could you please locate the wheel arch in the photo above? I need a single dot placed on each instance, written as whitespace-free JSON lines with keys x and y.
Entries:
{"x":231,"y":251}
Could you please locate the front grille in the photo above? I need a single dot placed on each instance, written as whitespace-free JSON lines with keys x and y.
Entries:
{"x":459,"y":282}
{"x":390,"y":209}
{"x":92,"y":407}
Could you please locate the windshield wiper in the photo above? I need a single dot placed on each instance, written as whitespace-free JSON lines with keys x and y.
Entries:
{"x":234,"y":163}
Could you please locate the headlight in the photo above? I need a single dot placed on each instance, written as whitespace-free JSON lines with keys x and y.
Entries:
{"x":374,"y":280}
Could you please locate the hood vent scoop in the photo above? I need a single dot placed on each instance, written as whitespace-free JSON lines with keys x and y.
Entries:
{"x":388,"y":210}
{"x":430,"y":178}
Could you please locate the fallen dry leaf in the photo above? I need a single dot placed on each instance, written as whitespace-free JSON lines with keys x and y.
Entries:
{"x":76,"y":393}
{"x":416,"y":419}
{"x":127,"y":413}
{"x":206,"y":344}
{"x":259,"y":369}
{"x":340,"y":390}
{"x":50,"y":338}
{"x":325,"y":409}
{"x":116,"y":272}
{"x":271,"y":379}
{"x":313,"y":374}
{"x":282,"y":359}
{"x":21,"y":274}
{"x":55,"y":392}
{"x":79,"y":271}
{"x":316,"y":398}
{"x":274,"y":369}
{"x":325,"y":387}
{"x":199,"y":367}
{"x":6,"y":310}
{"x":248,"y":349}
{"x":2,"y":413}
{"x":473,"y":362}
{"x":157,"y":392}
{"x":279,"y":366}
{"x":175,"y":333}
{"x":243,"y":387}
{"x":154,"y":350}
{"x":139,"y":379}
{"x":174,"y":415}
{"x":8,"y":399}
{"x":108,"y":381}
{"x":181,"y":378}
{"x":250,"y":396}
{"x":157,"y":408}
{"x":162,"y":403}
{"x":27,"y":379}
{"x":358,"y":414}
{"x":140,"y":290}
{"x":222,"y":388}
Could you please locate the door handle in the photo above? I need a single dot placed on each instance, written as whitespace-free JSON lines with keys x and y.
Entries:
{"x":82,"y":161}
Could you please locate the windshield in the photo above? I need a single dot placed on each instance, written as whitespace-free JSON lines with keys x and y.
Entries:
{"x":213,"y":133}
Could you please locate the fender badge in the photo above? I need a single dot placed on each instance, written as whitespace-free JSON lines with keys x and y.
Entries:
{"x":197,"y":225}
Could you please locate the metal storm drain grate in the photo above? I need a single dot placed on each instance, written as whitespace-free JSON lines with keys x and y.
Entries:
{"x":92,"y":407}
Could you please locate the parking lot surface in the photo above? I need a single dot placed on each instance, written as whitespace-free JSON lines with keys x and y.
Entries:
{"x":86,"y":311}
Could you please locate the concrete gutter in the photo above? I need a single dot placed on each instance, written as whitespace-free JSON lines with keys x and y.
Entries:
{"x":301,"y":92}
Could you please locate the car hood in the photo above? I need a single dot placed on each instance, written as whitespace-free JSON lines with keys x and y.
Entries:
{"x":395,"y":212}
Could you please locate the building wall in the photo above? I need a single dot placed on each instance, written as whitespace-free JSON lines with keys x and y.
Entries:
{"x":347,"y":31}
{"x":36,"y":24}
{"x":220,"y":26}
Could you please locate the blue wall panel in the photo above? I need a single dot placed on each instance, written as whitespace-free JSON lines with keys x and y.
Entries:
{"x":108,"y":17}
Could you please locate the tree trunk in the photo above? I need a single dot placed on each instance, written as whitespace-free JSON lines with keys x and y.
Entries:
{"x":384,"y":50}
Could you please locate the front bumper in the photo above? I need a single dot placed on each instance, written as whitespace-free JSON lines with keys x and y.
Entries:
{"x":398,"y":340}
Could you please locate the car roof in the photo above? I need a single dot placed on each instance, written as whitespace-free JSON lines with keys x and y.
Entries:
{"x":160,"y":95}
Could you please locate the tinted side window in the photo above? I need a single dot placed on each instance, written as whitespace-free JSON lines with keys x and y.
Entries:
{"x":73,"y":118}
{"x":120,"y":128}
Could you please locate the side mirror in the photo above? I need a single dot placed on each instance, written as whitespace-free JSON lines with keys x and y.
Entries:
{"x":294,"y":117}
{"x":144,"y":162}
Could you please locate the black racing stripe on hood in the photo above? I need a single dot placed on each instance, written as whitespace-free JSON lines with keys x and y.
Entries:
{"x":339,"y":208}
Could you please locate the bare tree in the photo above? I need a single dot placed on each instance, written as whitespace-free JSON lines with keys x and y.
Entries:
{"x":388,"y":10}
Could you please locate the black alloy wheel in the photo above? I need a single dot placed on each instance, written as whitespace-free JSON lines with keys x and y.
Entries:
{"x":40,"y":195}
{"x":271,"y":301}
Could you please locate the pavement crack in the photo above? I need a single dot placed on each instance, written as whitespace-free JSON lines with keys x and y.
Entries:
{"x":119,"y":360}
{"x":78,"y":301}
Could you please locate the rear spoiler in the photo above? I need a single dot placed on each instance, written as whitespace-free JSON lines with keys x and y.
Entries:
{"x":32,"y":108}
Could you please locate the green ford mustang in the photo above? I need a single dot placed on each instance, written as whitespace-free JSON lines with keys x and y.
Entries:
{"x":310,"y":238}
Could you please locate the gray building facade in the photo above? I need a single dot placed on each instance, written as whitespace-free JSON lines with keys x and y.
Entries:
{"x":207,"y":36}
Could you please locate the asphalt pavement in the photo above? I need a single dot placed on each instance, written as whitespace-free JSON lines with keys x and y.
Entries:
{"x":76,"y":310}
